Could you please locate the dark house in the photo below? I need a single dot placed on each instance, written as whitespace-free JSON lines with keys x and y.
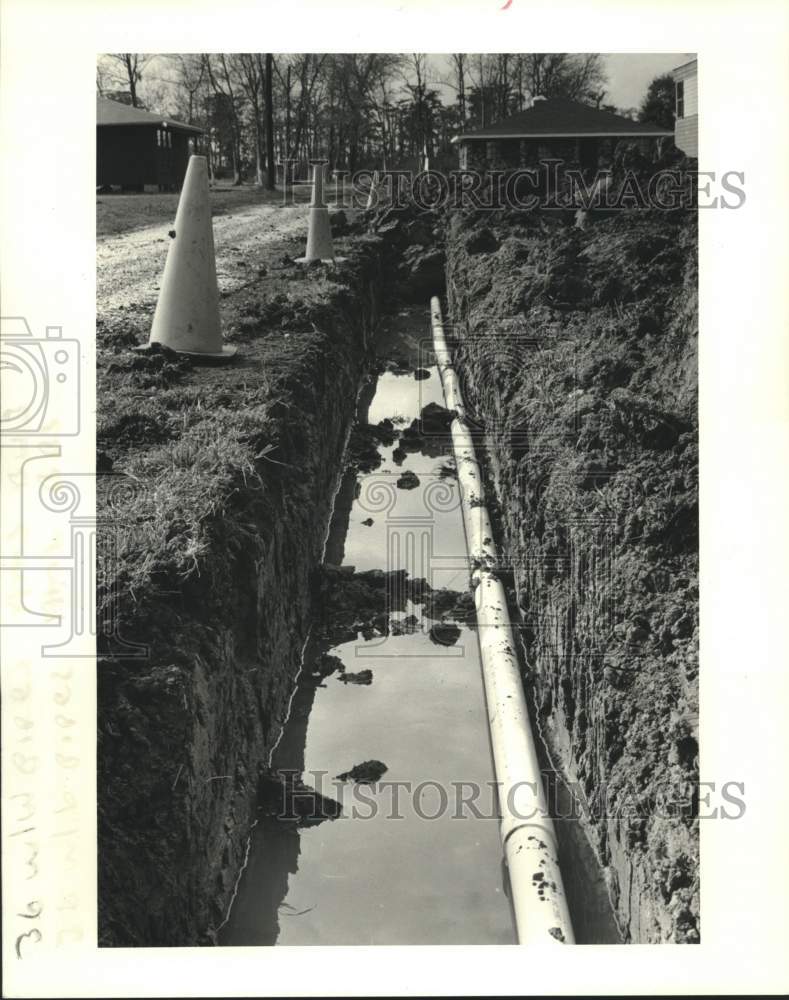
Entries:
{"x":138,"y":149}
{"x":554,"y":128}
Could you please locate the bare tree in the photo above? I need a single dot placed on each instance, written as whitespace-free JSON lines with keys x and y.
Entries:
{"x":252,"y":76}
{"x":501,"y":84}
{"x":416,"y":69}
{"x":128,"y":67}
{"x":221,"y":80}
{"x":299,"y":75}
{"x":355,"y":83}
{"x":520,"y":96}
{"x":483,"y":68}
{"x":101,"y":79}
{"x":577,"y":76}
{"x":189,"y":81}
{"x":459,"y":62}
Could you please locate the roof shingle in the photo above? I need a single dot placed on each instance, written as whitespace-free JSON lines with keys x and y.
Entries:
{"x":114,"y":113}
{"x":558,"y":117}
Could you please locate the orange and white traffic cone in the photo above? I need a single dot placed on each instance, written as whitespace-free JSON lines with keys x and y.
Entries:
{"x":319,"y":243}
{"x":187,"y":313}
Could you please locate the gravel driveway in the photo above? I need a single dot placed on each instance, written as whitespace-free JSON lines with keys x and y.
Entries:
{"x":129,"y":267}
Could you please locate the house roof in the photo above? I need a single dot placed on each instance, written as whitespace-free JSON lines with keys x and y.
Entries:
{"x":558,"y":117}
{"x":686,"y":70}
{"x":114,"y":113}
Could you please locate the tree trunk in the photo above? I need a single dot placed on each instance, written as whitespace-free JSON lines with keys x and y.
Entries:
{"x":131,"y":71}
{"x":259,"y":157}
{"x":332,"y":152}
{"x":271,"y":166}
{"x":236,"y":154}
{"x":287,"y":115}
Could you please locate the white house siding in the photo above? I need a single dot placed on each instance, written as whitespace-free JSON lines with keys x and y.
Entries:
{"x":691,"y":96}
{"x":686,"y":129}
{"x":686,"y":135}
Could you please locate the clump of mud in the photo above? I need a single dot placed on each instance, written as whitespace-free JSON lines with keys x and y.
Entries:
{"x":370,"y":603}
{"x":408,"y":480}
{"x":364,"y":445}
{"x":444,"y":634}
{"x":366,"y":773}
{"x":285,"y":796}
{"x":362,"y":677}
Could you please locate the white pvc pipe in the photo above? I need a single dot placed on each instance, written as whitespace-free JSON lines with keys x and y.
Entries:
{"x":527,"y":831}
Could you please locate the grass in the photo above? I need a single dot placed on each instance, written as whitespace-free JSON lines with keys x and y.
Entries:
{"x":123,"y":213}
{"x":187,"y":486}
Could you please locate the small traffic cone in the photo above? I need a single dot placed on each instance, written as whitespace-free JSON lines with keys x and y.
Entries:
{"x":319,"y":244}
{"x":187,"y":313}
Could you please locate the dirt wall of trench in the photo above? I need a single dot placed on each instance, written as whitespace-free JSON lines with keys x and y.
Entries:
{"x":215,"y":487}
{"x":578,"y":350}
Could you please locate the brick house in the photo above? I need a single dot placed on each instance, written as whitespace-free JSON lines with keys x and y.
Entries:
{"x":138,"y":149}
{"x":686,"y":94}
{"x":555,"y":128}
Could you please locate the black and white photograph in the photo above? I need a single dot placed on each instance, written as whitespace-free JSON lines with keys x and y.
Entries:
{"x":385,"y":504}
{"x":397,"y":405}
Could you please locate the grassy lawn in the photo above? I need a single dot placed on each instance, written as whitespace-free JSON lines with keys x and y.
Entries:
{"x":122,"y":213}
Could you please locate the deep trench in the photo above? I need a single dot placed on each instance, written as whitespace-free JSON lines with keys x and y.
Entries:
{"x":396,"y":679}
{"x":341,"y":634}
{"x":185,"y":736}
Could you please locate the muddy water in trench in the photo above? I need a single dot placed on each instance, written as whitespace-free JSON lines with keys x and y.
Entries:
{"x":382,"y":872}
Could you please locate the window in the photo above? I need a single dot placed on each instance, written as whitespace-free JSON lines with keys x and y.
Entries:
{"x":680,"y":98}
{"x":158,"y":137}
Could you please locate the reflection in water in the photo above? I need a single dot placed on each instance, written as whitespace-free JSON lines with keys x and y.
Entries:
{"x":587,"y":895}
{"x":273,"y":856}
{"x":343,"y":502}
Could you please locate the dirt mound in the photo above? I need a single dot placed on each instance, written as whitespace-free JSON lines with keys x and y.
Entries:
{"x":578,"y":350}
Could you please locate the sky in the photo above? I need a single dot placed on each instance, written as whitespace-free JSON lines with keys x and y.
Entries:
{"x":629,"y":75}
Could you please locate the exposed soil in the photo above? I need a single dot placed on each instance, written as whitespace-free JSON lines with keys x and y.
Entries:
{"x":578,"y":350}
{"x":214,"y":504}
